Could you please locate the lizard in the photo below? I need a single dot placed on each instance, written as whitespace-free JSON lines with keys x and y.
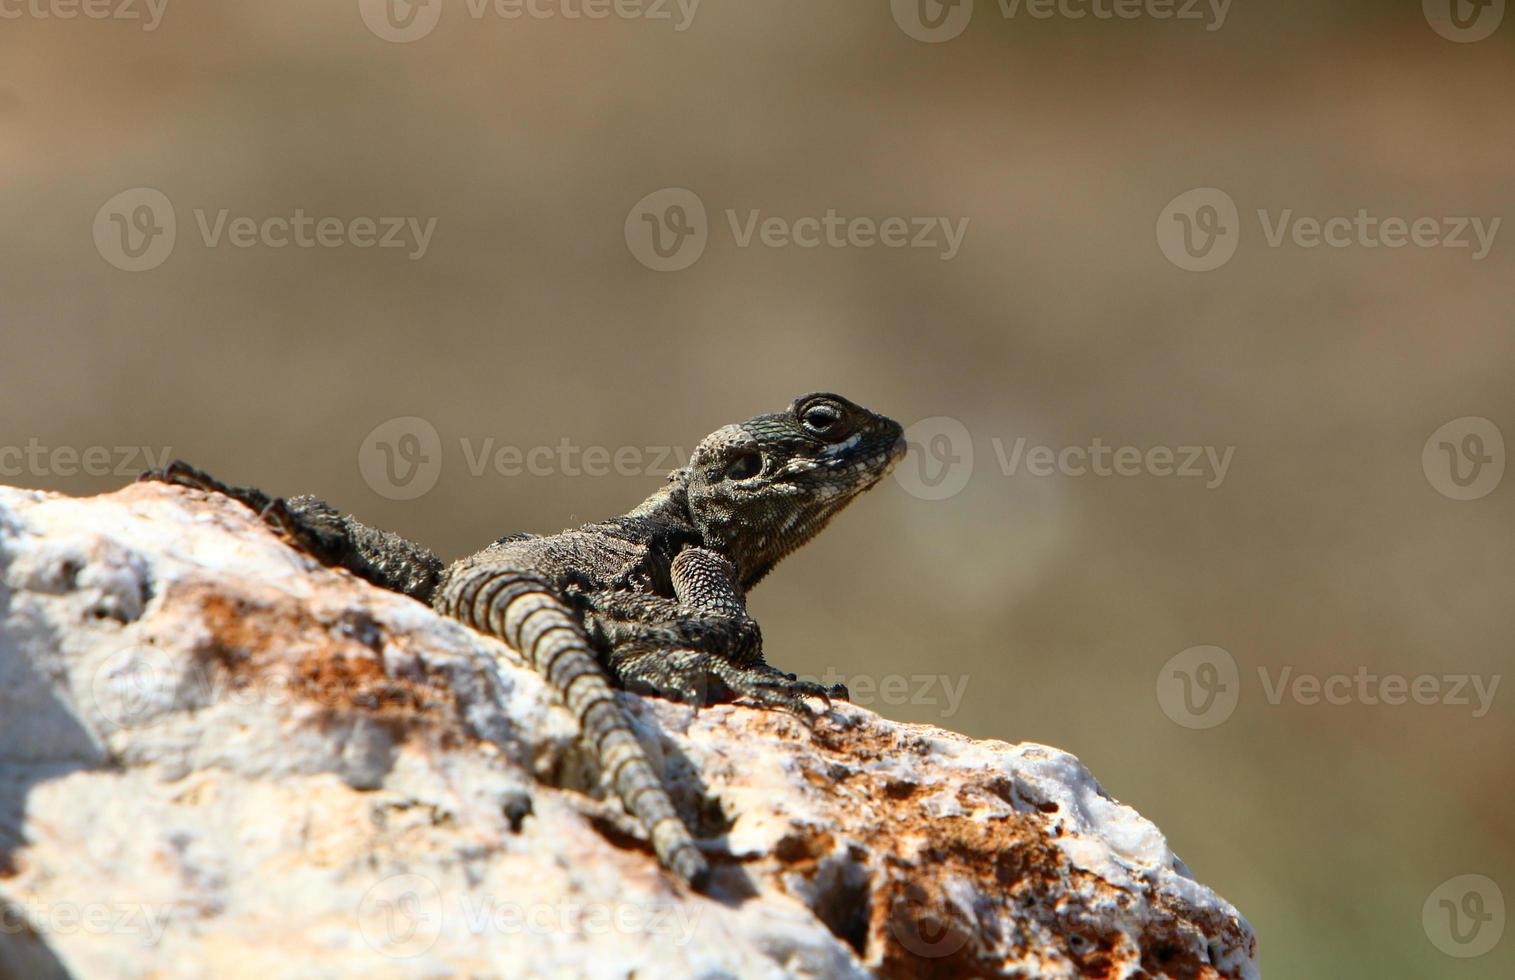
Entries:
{"x":653,"y":601}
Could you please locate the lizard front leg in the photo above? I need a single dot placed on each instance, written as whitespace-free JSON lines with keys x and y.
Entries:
{"x":699,"y":647}
{"x":310,"y":524}
{"x":707,"y":581}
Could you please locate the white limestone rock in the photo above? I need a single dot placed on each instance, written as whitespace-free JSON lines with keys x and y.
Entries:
{"x":218,"y":758}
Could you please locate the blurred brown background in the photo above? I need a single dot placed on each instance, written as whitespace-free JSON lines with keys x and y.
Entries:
{"x":1057,"y":600}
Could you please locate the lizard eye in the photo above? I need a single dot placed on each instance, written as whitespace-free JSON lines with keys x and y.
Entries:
{"x":745,"y":467}
{"x":821,"y":419}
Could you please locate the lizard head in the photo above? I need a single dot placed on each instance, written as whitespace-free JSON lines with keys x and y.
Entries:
{"x":759,"y":489}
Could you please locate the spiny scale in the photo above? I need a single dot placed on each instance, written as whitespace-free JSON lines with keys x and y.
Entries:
{"x":523,"y":611}
{"x":653,"y":600}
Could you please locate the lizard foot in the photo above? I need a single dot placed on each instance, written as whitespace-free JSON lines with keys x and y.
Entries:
{"x":699,"y":678}
{"x":772,"y":688}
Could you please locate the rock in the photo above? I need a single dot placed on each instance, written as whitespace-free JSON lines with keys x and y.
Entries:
{"x":218,"y":758}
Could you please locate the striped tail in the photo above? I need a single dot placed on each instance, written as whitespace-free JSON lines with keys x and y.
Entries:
{"x":522,"y":610}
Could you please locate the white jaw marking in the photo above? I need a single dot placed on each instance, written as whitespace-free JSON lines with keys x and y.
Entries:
{"x":844,"y":446}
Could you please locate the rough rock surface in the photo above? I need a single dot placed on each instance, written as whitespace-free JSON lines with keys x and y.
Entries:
{"x":220,"y":759}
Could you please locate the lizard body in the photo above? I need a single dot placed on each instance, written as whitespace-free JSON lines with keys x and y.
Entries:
{"x":653,"y":601}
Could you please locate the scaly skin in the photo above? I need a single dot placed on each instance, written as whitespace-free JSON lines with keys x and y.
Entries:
{"x":653,"y":601}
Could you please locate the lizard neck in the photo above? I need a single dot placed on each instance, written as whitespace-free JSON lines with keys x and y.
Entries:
{"x":669,"y":503}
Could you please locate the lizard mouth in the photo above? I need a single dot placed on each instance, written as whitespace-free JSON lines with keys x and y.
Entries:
{"x":878,"y":459}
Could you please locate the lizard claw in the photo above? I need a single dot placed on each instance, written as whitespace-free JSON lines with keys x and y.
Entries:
{"x":774,"y":688}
